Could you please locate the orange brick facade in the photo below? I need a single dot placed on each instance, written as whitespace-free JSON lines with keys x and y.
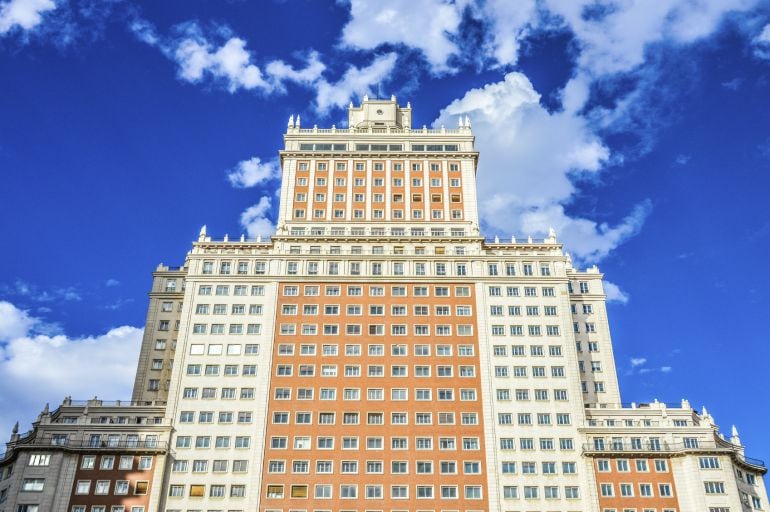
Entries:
{"x":426,"y":451}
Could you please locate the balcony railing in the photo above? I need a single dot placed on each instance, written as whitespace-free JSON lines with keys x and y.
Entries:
{"x":88,"y":444}
{"x":668,"y":448}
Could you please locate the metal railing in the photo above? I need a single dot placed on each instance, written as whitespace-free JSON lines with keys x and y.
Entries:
{"x":88,"y":444}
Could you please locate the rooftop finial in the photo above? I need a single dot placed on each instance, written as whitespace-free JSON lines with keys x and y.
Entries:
{"x":366,"y":97}
{"x":392,"y":97}
{"x":467,"y":122}
{"x":291,"y":121}
{"x":551,"y":233}
{"x":408,"y":104}
{"x":734,"y":438}
{"x":460,"y":122}
{"x":351,"y":105}
{"x":703,"y":412}
{"x":202,"y":234}
{"x":15,"y":429}
{"x":297,"y":125}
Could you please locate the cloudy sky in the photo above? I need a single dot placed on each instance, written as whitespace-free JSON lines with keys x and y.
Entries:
{"x":639,"y":130}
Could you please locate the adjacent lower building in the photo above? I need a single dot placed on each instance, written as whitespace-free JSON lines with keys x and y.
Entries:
{"x":377,"y":353}
{"x":89,"y":456}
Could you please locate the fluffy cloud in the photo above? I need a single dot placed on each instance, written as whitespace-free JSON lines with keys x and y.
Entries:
{"x":427,"y":25}
{"x":530,"y":156}
{"x":223,"y":59}
{"x":614,"y":293}
{"x":255,"y":220}
{"x":355,"y":82}
{"x":25,"y":14}
{"x":762,"y":43}
{"x":39,"y":368}
{"x":638,"y":361}
{"x":253,"y":171}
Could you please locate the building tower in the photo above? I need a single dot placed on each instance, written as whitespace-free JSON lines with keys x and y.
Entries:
{"x":377,"y":354}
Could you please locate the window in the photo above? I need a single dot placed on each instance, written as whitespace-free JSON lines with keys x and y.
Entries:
{"x":714,"y":487}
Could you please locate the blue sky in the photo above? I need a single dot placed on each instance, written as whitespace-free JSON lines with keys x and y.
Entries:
{"x":639,"y":130}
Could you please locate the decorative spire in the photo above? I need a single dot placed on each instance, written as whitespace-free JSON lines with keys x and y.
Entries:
{"x":551,"y":233}
{"x":202,"y":234}
{"x":366,"y":97}
{"x":703,"y":412}
{"x":408,"y":104}
{"x":460,"y":122}
{"x":467,"y":122}
{"x":291,"y":121}
{"x":351,"y":105}
{"x":15,"y":429}
{"x":297,"y":124}
{"x":734,"y":438}
{"x":392,"y":97}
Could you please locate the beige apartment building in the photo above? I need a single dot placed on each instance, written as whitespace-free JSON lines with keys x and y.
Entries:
{"x":377,"y":353}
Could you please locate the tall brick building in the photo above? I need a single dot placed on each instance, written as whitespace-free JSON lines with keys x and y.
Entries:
{"x":379,"y":354}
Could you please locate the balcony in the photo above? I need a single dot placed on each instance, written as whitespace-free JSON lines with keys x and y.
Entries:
{"x":657,"y":448}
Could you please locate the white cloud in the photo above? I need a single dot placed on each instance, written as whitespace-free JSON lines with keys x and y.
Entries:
{"x":423,"y":24}
{"x":530,"y":157}
{"x":200,"y":58}
{"x":39,"y":368}
{"x":279,"y":71}
{"x":29,"y":291}
{"x":255,"y":221}
{"x":614,"y":293}
{"x":355,"y":82}
{"x":762,"y":43}
{"x":253,"y":171}
{"x":665,"y":369}
{"x":638,"y":361}
{"x":509,"y":24}
{"x":14,"y":322}
{"x":25,"y":14}
{"x":111,"y":282}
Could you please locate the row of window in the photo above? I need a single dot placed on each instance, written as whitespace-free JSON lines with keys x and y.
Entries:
{"x":235,"y":329}
{"x":378,"y":394}
{"x":624,"y":465}
{"x":336,"y":290}
{"x":217,"y":349}
{"x":518,"y":330}
{"x":106,"y":462}
{"x":339,"y":213}
{"x":644,"y":490}
{"x":529,"y":444}
{"x":217,"y":466}
{"x":199,"y":491}
{"x":374,"y":491}
{"x":213,"y":370}
{"x":531,"y":492}
{"x":225,"y":393}
{"x":205,"y":417}
{"x":376,"y":310}
{"x":524,"y":371}
{"x":359,"y":197}
{"x":377,"y":231}
{"x":526,"y":418}
{"x":534,"y":350}
{"x":94,"y":508}
{"x":376,"y":350}
{"x":379,"y":166}
{"x":524,"y":395}
{"x":355,"y":418}
{"x":376,"y":467}
{"x":120,"y":488}
{"x":234,"y":309}
{"x":378,"y":370}
{"x":290,"y":329}
{"x":372,"y":443}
